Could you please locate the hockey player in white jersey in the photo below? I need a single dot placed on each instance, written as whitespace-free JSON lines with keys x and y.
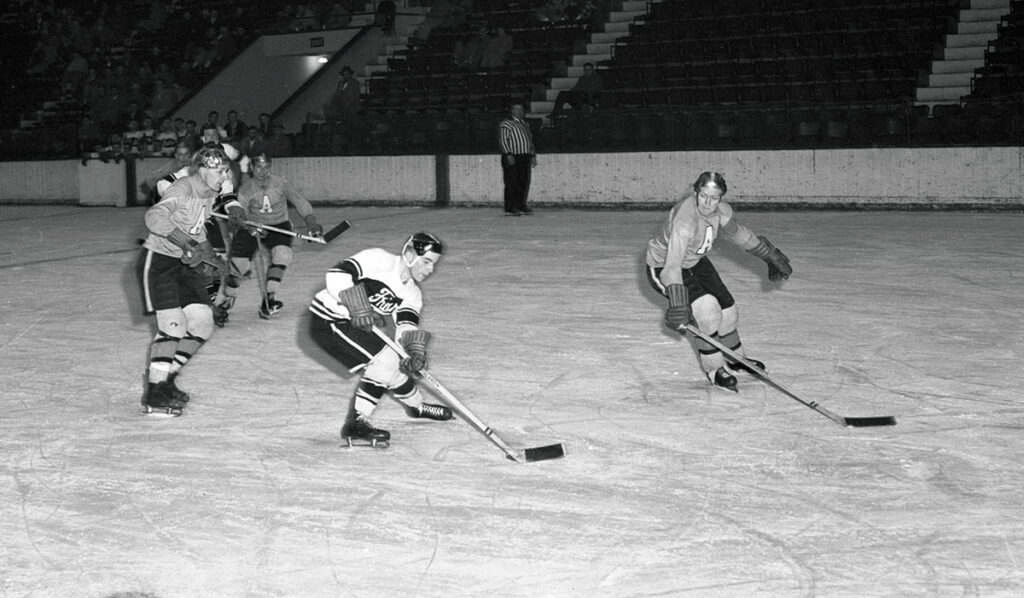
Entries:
{"x":377,"y":288}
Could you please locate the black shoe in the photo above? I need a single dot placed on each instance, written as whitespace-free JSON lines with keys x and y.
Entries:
{"x":428,"y":411}
{"x":527,"y":211}
{"x":721,"y":378}
{"x":513,"y":213}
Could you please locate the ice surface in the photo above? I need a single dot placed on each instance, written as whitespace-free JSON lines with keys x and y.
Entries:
{"x":545,"y":327}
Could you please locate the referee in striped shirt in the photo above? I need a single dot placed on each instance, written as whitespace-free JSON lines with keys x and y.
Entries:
{"x":518,"y":157}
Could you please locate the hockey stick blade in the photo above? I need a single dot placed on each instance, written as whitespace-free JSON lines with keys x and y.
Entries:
{"x":542,"y":453}
{"x":866,"y":422}
{"x":335,"y":232}
{"x":518,"y":455}
{"x":854,"y":422}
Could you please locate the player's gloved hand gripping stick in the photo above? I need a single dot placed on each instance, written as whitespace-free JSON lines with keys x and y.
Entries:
{"x":540,"y":453}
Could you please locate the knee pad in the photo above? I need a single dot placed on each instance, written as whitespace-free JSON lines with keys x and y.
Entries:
{"x":281,"y":255}
{"x":199,"y":320}
{"x":384,"y":369}
{"x":172,"y":322}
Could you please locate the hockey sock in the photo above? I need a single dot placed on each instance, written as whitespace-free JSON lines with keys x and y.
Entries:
{"x":732,"y":340}
{"x":710,"y":358}
{"x":274,"y":276}
{"x":161,"y":356}
{"x":408,"y":394}
{"x":368,"y":395}
{"x":187,"y":347}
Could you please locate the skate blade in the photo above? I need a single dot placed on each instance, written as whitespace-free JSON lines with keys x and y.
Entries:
{"x":726,"y":388}
{"x":160,"y":412}
{"x":364,"y":443}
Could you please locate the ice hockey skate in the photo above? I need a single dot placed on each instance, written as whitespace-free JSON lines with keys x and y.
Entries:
{"x":270,"y":307}
{"x":739,"y":367}
{"x":428,"y":411}
{"x":159,"y":401}
{"x":358,"y":431}
{"x":176,"y":392}
{"x":721,"y":378}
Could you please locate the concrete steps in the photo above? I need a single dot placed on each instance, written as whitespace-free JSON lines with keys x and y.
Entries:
{"x":598,"y":48}
{"x":963,"y":51}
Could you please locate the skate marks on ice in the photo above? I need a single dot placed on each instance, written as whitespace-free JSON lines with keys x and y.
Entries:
{"x":670,"y":487}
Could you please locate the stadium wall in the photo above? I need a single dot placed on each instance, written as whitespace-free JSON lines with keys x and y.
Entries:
{"x":882,"y":178}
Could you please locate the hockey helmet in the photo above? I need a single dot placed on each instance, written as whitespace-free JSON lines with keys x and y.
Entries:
{"x":422,"y":242}
{"x":210,"y":157}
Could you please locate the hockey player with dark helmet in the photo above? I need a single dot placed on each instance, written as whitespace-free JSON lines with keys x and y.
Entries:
{"x":371,"y":292}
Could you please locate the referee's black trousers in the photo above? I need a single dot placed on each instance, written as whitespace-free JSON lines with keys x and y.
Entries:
{"x":517,"y":181}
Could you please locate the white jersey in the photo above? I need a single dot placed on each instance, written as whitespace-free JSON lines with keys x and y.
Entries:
{"x":380,"y":272}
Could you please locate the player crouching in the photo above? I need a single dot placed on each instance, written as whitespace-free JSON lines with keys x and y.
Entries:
{"x":377,"y":288}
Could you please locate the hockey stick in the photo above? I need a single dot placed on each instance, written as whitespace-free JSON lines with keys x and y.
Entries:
{"x":261,"y":276}
{"x":539,"y":453}
{"x":855,"y":422}
{"x":327,"y":237}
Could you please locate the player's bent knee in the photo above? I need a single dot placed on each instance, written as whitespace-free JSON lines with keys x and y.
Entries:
{"x":171,"y":322}
{"x":199,"y":318}
{"x":281,"y":255}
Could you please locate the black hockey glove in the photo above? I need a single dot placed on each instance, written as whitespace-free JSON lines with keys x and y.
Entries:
{"x":415,"y":344}
{"x":778,"y":263}
{"x":678,"y":313}
{"x":313,"y":227}
{"x":360,"y":312}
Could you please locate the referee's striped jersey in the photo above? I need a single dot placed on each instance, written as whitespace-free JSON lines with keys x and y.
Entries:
{"x":515,"y":137}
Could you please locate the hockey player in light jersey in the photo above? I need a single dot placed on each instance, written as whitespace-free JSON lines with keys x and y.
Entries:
{"x":175,"y":254}
{"x":264,"y":199}
{"x":377,"y":288}
{"x":678,"y":267}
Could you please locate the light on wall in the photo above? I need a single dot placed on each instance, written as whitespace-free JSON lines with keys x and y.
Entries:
{"x":322,"y":60}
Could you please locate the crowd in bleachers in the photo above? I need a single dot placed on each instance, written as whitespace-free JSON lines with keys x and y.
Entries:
{"x":100,"y":78}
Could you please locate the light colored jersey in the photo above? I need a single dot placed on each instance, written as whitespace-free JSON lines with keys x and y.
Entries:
{"x":186,"y":205}
{"x":269,"y":204}
{"x":227,"y":189}
{"x":686,"y":236}
{"x":380,"y":273}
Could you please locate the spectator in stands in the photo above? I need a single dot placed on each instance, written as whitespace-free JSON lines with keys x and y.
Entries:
{"x":164,"y":98}
{"x":385,"y":16}
{"x":235,"y":129}
{"x":584,"y":95}
{"x":76,"y":70}
{"x":496,"y":48}
{"x":131,"y":139}
{"x":191,"y":137}
{"x":253,"y":144}
{"x":134,"y":112}
{"x":278,"y":144}
{"x":167,"y":138}
{"x":89,"y":136}
{"x":213,"y":120}
{"x":518,"y":157}
{"x":264,"y":125}
{"x":553,"y":11}
{"x":347,"y":99}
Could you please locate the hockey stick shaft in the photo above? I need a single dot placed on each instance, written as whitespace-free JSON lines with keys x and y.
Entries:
{"x":534,"y":454}
{"x":845,"y":421}
{"x":327,"y":238}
